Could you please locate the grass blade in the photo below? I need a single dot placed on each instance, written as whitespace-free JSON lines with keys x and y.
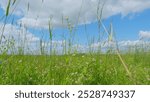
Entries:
{"x":50,"y":30}
{"x":110,"y":36}
{"x":14,"y":2}
{"x":8,"y":7}
{"x":28,"y":6}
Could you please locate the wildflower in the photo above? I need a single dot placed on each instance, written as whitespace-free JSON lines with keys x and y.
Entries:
{"x":20,"y":61}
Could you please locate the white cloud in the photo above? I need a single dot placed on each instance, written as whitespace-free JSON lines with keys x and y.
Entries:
{"x":121,"y":44}
{"x":25,"y":40}
{"x":39,"y":13}
{"x":19,"y":37}
{"x":79,"y":48}
{"x":135,"y":43}
{"x":104,"y":44}
{"x":54,"y":43}
{"x":144,"y":34}
{"x":17,"y":33}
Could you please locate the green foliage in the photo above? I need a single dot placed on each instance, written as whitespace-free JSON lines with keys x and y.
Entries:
{"x":50,"y":30}
{"x":73,"y":69}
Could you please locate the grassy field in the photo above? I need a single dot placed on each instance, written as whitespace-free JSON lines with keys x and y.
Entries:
{"x":69,"y":67}
{"x":92,"y":69}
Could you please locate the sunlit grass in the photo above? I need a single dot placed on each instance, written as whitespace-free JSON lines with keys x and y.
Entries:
{"x":73,"y":69}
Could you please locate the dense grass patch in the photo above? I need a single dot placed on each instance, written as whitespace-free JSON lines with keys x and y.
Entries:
{"x":74,"y":69}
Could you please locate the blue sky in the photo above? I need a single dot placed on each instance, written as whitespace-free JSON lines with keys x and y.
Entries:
{"x":130,"y":19}
{"x":125,"y":28}
{"x":128,"y":27}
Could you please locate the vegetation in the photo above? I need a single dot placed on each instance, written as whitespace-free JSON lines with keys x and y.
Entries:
{"x":97,"y":69}
{"x":69,"y":68}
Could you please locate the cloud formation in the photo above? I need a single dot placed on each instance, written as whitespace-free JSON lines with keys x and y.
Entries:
{"x":36,"y":13}
{"x":19,"y":38}
{"x":17,"y":33}
{"x":144,"y":34}
{"x":122,"y":45}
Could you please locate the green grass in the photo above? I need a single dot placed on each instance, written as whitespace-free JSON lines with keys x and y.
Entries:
{"x":74,"y":69}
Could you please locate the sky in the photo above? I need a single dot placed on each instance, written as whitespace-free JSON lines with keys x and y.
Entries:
{"x":29,"y":20}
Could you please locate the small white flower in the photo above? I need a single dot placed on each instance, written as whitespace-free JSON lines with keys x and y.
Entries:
{"x":20,"y":61}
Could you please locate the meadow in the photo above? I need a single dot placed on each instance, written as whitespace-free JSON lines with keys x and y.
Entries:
{"x":71,"y":68}
{"x":75,"y":69}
